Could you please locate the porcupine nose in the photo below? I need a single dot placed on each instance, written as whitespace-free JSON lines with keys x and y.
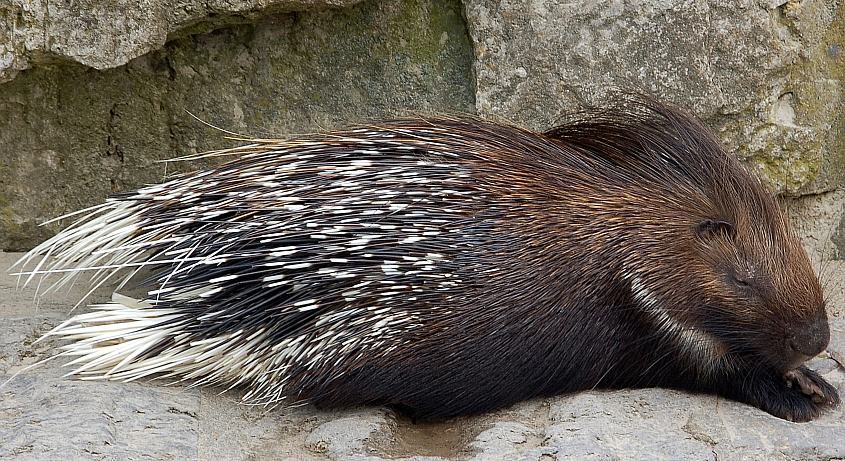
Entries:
{"x":807,"y":341}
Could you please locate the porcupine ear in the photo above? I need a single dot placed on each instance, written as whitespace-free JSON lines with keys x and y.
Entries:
{"x":711,"y":228}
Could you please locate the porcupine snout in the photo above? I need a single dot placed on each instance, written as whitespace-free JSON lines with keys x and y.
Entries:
{"x":807,"y":341}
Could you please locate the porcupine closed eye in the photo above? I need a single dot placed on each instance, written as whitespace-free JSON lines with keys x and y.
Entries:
{"x":453,"y":266}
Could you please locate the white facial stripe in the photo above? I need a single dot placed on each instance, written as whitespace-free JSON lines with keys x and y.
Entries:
{"x":702,"y":346}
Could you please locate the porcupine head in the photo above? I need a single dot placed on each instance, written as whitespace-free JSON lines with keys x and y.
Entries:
{"x":716,"y":272}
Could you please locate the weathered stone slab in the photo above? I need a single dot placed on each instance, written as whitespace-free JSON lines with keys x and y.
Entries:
{"x":106,"y":34}
{"x":45,"y":417}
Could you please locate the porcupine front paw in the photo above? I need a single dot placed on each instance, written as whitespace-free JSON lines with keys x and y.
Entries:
{"x":802,"y":396}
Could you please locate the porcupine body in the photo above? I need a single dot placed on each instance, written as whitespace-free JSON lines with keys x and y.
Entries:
{"x":452,"y":266}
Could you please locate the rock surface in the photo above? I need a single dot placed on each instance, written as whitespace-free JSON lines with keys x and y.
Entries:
{"x":72,"y":135}
{"x":114,"y":83}
{"x":105,"y":34}
{"x":44,"y":415}
{"x":103,"y":91}
{"x":766,"y":75}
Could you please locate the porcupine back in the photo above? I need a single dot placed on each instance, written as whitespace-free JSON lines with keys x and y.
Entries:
{"x":445,"y":265}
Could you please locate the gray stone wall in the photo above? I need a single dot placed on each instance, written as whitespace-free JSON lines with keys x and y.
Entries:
{"x":96,"y":94}
{"x":74,"y":134}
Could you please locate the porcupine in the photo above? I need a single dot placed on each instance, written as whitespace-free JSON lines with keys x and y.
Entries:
{"x":452,"y":266}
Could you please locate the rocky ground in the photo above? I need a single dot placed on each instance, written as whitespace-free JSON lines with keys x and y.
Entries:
{"x":44,"y":415}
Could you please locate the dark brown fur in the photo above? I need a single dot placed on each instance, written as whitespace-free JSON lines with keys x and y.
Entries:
{"x":643,"y":192}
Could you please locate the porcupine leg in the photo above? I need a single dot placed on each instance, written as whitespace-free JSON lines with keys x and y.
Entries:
{"x":799,"y":395}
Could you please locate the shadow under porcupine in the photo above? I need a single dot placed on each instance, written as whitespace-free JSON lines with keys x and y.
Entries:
{"x":452,"y":266}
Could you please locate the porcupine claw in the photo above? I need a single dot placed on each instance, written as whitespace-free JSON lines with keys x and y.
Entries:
{"x":811,"y":384}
